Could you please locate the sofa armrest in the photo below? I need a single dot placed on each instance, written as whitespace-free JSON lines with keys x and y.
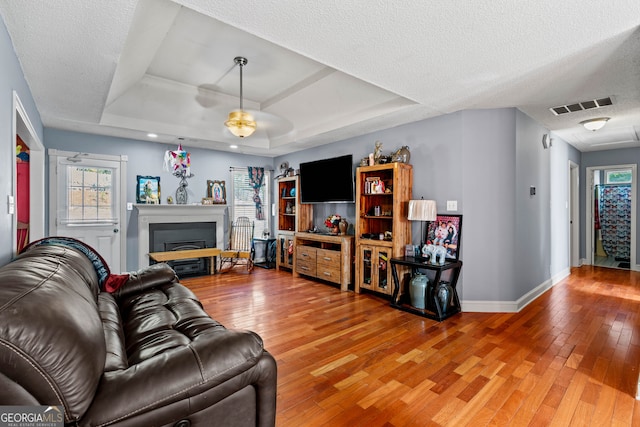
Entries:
{"x":217,"y":364}
{"x":145,"y":278}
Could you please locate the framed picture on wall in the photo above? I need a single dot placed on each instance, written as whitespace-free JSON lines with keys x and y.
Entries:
{"x":148,"y":189}
{"x":217,"y":192}
{"x":446,"y":231}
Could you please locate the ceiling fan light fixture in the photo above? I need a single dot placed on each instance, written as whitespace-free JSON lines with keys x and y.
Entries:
{"x":595,"y":124}
{"x":240,"y":123}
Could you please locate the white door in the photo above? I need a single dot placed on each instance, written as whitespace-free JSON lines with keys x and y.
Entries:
{"x":86,"y":193}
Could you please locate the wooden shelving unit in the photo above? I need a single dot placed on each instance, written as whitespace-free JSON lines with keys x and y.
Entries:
{"x":382,"y":228}
{"x":292,"y":216}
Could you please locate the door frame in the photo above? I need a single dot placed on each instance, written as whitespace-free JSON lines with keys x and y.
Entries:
{"x":574,"y":214}
{"x":590,"y":207}
{"x":21,"y":125}
{"x":53,"y":193}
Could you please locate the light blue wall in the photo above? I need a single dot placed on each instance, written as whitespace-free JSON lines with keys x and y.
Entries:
{"x":11,"y":79}
{"x":489,"y":221}
{"x":146,"y":158}
{"x":560,"y":155}
{"x":533,"y":230}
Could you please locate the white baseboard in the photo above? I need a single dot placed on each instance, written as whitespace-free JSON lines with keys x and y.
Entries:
{"x":513,"y":306}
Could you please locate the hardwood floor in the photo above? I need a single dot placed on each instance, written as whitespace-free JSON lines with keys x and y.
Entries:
{"x":569,"y":358}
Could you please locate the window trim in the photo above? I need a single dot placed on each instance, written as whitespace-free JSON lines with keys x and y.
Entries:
{"x":266,"y":200}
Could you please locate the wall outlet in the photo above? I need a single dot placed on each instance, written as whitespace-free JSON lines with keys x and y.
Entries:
{"x":452,"y":205}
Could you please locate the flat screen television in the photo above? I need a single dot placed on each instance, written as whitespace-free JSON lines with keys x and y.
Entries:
{"x":327,"y":180}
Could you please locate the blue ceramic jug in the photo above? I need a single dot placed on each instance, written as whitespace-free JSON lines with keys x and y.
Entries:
{"x":418,"y":290}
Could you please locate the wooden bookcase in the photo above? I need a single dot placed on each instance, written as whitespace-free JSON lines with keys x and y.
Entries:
{"x":292,"y":216}
{"x":382,"y":228}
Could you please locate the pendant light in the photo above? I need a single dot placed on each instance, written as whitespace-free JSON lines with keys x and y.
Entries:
{"x":240,"y":123}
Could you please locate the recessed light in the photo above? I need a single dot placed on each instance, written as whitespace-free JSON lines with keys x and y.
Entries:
{"x":152,"y":135}
{"x":233,"y":146}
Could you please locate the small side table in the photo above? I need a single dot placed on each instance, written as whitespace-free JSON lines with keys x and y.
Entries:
{"x":434,"y":272}
{"x":269,"y":248}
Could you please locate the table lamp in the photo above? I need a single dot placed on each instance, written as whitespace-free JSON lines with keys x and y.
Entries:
{"x":422,"y":210}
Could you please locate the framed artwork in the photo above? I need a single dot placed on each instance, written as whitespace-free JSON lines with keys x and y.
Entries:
{"x":446,"y":231}
{"x":217,"y":192}
{"x":148,"y":189}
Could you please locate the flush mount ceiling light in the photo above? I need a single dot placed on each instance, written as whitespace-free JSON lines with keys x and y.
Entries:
{"x":240,"y":123}
{"x":595,"y":124}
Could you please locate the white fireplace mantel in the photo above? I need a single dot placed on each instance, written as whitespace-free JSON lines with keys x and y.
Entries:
{"x":158,"y":214}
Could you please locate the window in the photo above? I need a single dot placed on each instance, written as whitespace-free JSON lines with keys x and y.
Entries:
{"x":89,"y":194}
{"x":241,"y":199}
{"x":618,"y":176}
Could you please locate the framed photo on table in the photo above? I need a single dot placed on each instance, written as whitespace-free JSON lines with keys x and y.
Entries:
{"x":446,"y":231}
{"x":148,"y":189}
{"x":217,"y":192}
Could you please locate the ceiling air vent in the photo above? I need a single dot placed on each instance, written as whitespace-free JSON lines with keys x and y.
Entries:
{"x":581,"y":106}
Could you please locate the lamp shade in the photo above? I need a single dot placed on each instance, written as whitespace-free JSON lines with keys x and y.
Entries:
{"x":422,"y":210}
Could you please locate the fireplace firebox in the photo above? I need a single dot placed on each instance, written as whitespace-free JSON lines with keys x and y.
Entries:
{"x":182,"y":236}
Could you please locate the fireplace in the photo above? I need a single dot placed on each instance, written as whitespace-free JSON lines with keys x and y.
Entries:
{"x":182,"y":236}
{"x":178,"y":224}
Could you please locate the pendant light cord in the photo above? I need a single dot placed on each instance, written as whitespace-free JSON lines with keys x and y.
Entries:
{"x":241,"y":108}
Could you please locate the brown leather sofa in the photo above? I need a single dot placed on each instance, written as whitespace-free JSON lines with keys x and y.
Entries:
{"x":146,"y":354}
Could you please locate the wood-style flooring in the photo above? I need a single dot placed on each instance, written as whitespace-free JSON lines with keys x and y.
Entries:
{"x":569,"y":358}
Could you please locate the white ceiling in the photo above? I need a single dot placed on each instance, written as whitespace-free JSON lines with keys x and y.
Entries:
{"x":320,"y":72}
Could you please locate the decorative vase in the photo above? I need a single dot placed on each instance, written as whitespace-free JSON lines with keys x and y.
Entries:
{"x":343,"y":225}
{"x":418,"y":290}
{"x":335,"y":229}
{"x":402,"y":155}
{"x":443,"y":294}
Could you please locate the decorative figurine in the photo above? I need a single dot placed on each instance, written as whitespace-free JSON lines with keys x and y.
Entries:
{"x":427,"y":251}
{"x":377,"y":153}
{"x":440,"y":252}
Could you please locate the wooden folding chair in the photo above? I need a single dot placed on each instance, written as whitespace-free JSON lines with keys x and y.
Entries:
{"x":239,"y":251}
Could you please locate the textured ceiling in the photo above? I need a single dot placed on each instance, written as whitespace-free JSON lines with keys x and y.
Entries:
{"x":319,"y":72}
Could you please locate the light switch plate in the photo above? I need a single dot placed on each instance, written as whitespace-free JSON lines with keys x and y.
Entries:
{"x":129,"y":206}
{"x":452,"y":205}
{"x":11,"y":205}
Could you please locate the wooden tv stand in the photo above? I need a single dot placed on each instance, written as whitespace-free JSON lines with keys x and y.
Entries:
{"x":324,"y":256}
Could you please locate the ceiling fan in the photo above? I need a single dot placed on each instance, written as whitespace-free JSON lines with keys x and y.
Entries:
{"x":242,"y":123}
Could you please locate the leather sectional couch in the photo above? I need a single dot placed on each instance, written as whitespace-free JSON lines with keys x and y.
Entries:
{"x":144,"y":354}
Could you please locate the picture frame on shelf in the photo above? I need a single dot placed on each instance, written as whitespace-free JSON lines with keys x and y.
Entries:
{"x":148,"y":189}
{"x":217,"y":192}
{"x":446,"y":231}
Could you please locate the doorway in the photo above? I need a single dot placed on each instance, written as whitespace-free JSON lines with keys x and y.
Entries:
{"x":611,"y":216}
{"x":24,"y":131}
